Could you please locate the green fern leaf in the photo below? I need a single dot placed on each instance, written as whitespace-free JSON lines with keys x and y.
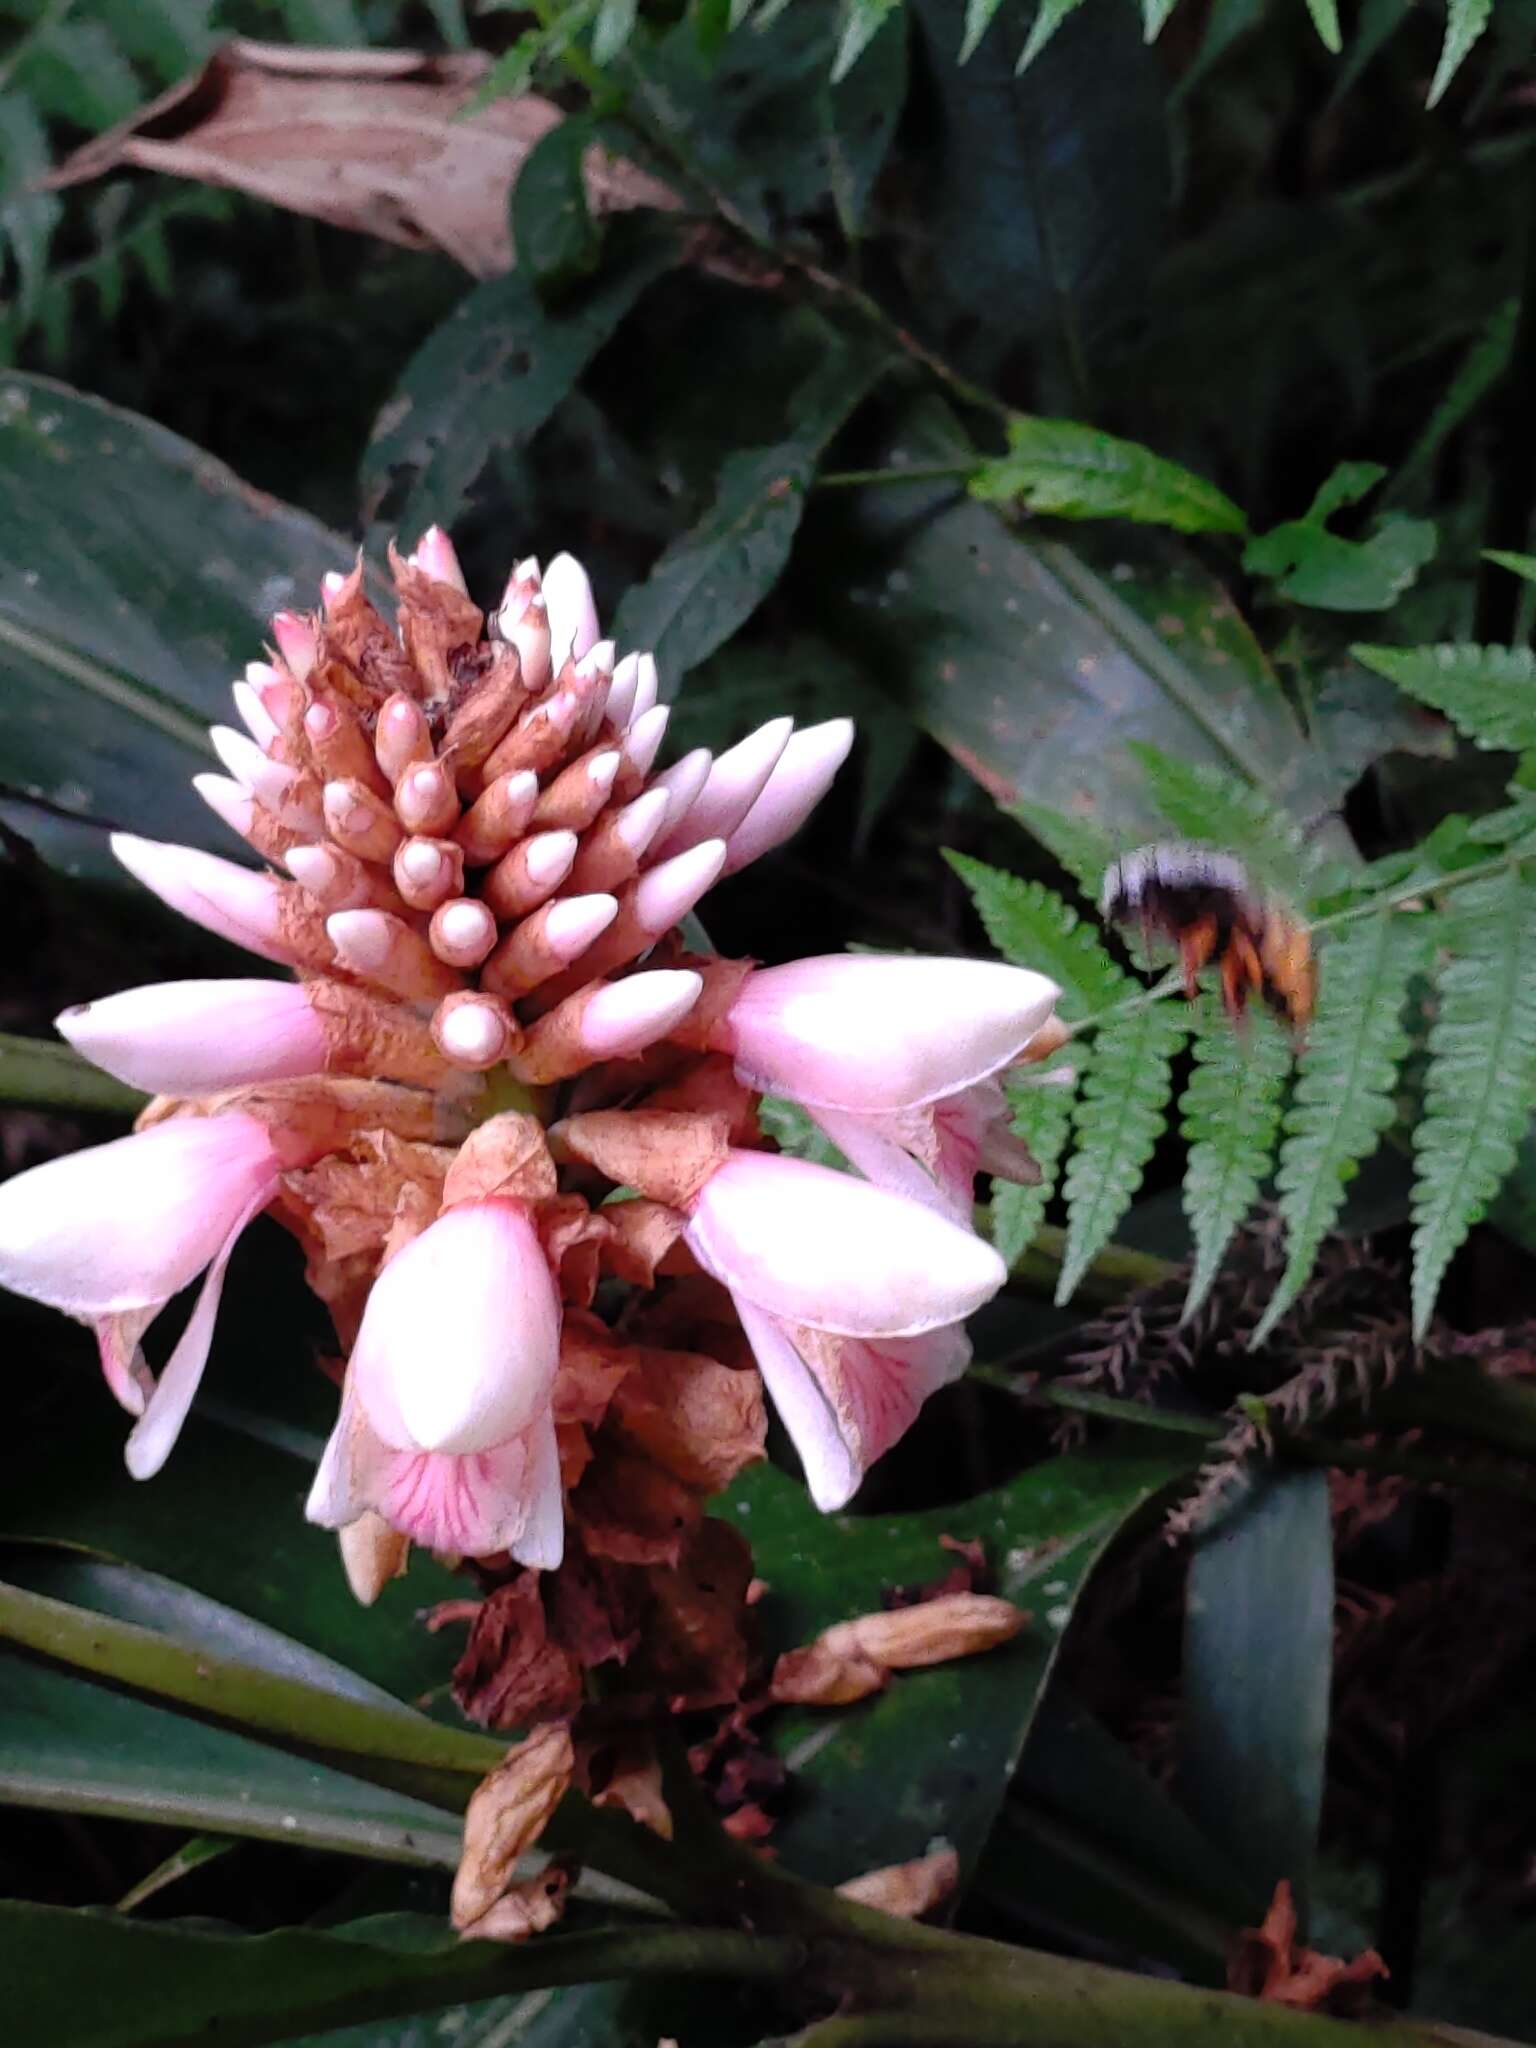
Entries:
{"x":1072,"y":471}
{"x":1343,"y":1098}
{"x":1042,"y":1117}
{"x":1488,"y":693}
{"x":1481,"y":1085}
{"x":1154,"y":13}
{"x":1230,"y":1114}
{"x":1031,"y":926}
{"x":979,"y":16}
{"x":862,"y":22}
{"x":1083,"y":848}
{"x":1325,"y":19}
{"x":1052,"y":14}
{"x":1523,"y":566}
{"x":1121,"y":1113}
{"x":1202,"y":802}
{"x":1465,"y":21}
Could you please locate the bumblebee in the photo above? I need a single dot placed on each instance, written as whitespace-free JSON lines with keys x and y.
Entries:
{"x":1206,"y":904}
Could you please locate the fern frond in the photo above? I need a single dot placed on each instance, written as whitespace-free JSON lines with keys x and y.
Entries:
{"x":1031,"y":926}
{"x":1083,"y":848}
{"x":1523,"y":566}
{"x":1042,"y":1117}
{"x":1052,"y":14}
{"x":1465,"y":21}
{"x":862,"y":22}
{"x":1230,"y":1117}
{"x":978,"y":19}
{"x":1202,"y":802}
{"x":1325,"y":19}
{"x":1481,"y":1084}
{"x":1073,"y":471}
{"x":1121,"y":1113}
{"x":1343,"y":1098}
{"x":1488,"y":693}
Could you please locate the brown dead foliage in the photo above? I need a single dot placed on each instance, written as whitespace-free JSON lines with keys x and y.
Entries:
{"x":1268,"y":1963}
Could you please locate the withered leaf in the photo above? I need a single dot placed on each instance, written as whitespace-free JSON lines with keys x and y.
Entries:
{"x":702,"y":1421}
{"x":510,"y":1673}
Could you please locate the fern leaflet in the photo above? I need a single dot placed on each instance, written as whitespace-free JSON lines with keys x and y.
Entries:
{"x":862,"y":22}
{"x":1042,"y":1117}
{"x":1230,"y":1117}
{"x":1488,"y":693}
{"x":1202,"y":802}
{"x":1083,"y":848}
{"x":1325,"y":19}
{"x":1465,"y":21}
{"x":1482,"y":1073}
{"x":1523,"y":566}
{"x":1121,"y":1113}
{"x":1031,"y":926}
{"x":978,"y":19}
{"x":1343,"y":1098}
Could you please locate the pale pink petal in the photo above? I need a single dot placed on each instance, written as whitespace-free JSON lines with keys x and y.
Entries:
{"x":890,"y":1150}
{"x":123,"y":1366}
{"x":233,"y":902}
{"x":573,"y":627}
{"x":626,"y":1016}
{"x":461,"y":1335}
{"x":436,"y":556}
{"x":827,"y":1249}
{"x":876,"y":1032}
{"x":735,"y":781}
{"x":192,"y":1037}
{"x":154,"y":1435}
{"x":832,"y":1475}
{"x":127,"y":1225}
{"x":797,"y":785}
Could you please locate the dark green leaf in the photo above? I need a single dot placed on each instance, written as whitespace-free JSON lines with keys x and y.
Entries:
{"x":1258,"y":1660}
{"x":1042,"y":1117}
{"x":43,"y":1073}
{"x":1465,"y":21}
{"x":556,"y":239}
{"x":614,"y":26}
{"x":491,"y":375}
{"x":932,"y":1755}
{"x":1316,"y":567}
{"x":137,"y":576}
{"x":1073,"y":471}
{"x":1230,"y":1113}
{"x":713,"y":579}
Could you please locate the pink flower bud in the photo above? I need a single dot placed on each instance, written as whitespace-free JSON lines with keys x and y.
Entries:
{"x":873,"y":1033}
{"x":797,"y":785}
{"x":233,"y":902}
{"x":823,"y":1248}
{"x":435,"y":556}
{"x":192,"y":1037}
{"x":736,"y":780}
{"x":626,"y":1016}
{"x":573,"y":627}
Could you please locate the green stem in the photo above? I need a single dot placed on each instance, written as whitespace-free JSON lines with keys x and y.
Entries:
{"x":1117,"y":1271}
{"x":913,"y":473}
{"x":48,"y":1076}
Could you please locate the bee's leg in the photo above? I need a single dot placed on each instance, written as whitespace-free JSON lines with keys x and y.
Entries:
{"x":1242,"y":973}
{"x":1197,"y":943}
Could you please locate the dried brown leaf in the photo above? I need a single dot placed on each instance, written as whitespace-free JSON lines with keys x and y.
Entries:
{"x":507,"y":1813}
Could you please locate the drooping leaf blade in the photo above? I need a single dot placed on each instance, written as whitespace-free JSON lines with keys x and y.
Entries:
{"x":1343,"y":1096}
{"x":1480,"y":1089}
{"x":1069,"y":470}
{"x":1230,"y":1118}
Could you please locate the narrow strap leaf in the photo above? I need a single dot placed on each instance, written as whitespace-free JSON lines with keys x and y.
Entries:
{"x":1482,"y":1074}
{"x":1343,"y":1099}
{"x":1231,"y":1117}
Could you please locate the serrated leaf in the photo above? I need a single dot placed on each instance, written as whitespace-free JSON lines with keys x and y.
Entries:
{"x":979,"y":16}
{"x":712,"y":579}
{"x":1205,"y":803}
{"x":1465,"y":21}
{"x":1121,"y":1113}
{"x":862,"y":22}
{"x":1069,"y":470}
{"x":1230,"y":1117}
{"x":1488,"y":693}
{"x":1031,"y":926}
{"x":1084,"y":849}
{"x":1325,"y":19}
{"x":1478,"y":1093}
{"x":1042,"y":1117}
{"x":1313,"y":566}
{"x":1343,"y":1096}
{"x":1052,"y":14}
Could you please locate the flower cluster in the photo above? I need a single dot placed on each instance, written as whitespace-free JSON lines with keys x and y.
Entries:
{"x":510,"y":1118}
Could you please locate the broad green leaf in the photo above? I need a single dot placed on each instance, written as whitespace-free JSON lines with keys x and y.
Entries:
{"x":1465,"y":21}
{"x":1005,"y":252}
{"x":709,"y":582}
{"x":932,"y":1755}
{"x":1325,"y":19}
{"x":44,"y":1073}
{"x":1230,"y":1118}
{"x":1488,"y":693}
{"x":1345,"y":1077}
{"x":1315,"y":567}
{"x":1032,"y":927}
{"x":556,"y":238}
{"x":137,"y":577}
{"x":1034,"y":663}
{"x":490,"y":376}
{"x":1480,"y":1089}
{"x":1121,"y":1112}
{"x":1072,"y":471}
{"x":1258,"y":1661}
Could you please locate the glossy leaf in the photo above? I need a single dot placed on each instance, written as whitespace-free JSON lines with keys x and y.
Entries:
{"x":489,"y":377}
{"x":709,"y":582}
{"x":137,"y":576}
{"x":932,"y":1755}
{"x":1258,"y":1661}
{"x":1073,"y":471}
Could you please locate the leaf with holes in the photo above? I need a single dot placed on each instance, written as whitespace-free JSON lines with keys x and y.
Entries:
{"x":1122,"y":1111}
{"x":1481,"y":1086}
{"x":1230,"y":1118}
{"x":1343,"y":1099}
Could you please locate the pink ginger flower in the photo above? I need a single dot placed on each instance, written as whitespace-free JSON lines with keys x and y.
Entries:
{"x":446,"y":1429}
{"x":111,"y":1234}
{"x":897,"y":1059}
{"x":852,"y":1298}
